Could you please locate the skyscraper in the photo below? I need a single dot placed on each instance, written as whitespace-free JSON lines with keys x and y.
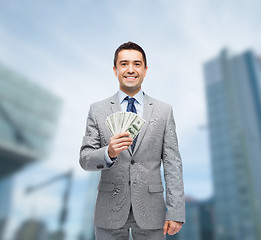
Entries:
{"x":233,"y":92}
{"x":87,"y":231}
{"x":28,"y":119}
{"x":199,"y":221}
{"x":5,"y":203}
{"x":191,"y":229}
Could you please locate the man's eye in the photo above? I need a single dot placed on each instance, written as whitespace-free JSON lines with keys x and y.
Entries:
{"x":137,"y":64}
{"x":123,"y":64}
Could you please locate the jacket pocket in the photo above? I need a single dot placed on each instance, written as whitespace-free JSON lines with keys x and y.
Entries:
{"x":156,"y":188}
{"x":105,"y":187}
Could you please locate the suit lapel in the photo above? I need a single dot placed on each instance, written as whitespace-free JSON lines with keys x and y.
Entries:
{"x":115,"y":105}
{"x":147,"y":112}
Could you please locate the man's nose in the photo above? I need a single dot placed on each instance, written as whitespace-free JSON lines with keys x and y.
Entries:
{"x":130,"y":69}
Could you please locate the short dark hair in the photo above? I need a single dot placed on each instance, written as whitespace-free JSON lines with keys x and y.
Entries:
{"x":129,"y":46}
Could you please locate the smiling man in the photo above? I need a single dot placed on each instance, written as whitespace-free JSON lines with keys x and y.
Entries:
{"x":131,"y":69}
{"x":130,"y":192}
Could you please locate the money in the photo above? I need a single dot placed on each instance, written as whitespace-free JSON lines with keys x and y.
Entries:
{"x":125,"y":122}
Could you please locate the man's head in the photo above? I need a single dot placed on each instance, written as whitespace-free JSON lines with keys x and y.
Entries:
{"x":129,"y":46}
{"x":130,"y":67}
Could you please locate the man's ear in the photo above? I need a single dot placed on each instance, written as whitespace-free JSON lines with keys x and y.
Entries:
{"x":146,"y":69}
{"x":115,"y":71}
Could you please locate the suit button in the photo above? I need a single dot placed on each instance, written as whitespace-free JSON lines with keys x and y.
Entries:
{"x":129,"y":182}
{"x":132,"y":162}
{"x":100,"y":166}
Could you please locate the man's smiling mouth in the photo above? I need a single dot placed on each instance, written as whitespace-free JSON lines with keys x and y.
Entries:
{"x":130,"y":77}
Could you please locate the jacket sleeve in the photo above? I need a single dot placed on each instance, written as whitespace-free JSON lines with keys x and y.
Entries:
{"x":173,"y":172}
{"x":92,"y":155}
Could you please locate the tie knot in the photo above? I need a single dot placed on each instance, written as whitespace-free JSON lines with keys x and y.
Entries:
{"x":130,"y":100}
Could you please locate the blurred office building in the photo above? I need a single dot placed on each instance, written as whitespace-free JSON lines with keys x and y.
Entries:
{"x":87,"y":231}
{"x":28,"y":119}
{"x":5,"y":202}
{"x":32,"y":229}
{"x":199,"y":221}
{"x":233,"y":92}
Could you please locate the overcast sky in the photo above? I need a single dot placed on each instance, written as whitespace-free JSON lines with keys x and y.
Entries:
{"x":67,"y":47}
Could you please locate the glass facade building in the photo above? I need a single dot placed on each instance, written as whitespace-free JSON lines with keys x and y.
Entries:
{"x":199,"y":221}
{"x":28,"y":118}
{"x":5,"y":203}
{"x":87,"y":231}
{"x":233,"y":92}
{"x":191,"y":229}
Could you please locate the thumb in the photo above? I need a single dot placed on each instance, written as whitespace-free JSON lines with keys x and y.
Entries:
{"x":165,"y":228}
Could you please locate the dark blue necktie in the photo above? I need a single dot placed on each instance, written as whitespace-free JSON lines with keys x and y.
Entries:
{"x":131,"y":108}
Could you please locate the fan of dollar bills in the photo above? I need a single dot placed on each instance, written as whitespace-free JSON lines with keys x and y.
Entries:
{"x":125,"y":122}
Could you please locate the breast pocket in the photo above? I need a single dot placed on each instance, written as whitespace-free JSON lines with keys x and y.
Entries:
{"x":156,"y":125}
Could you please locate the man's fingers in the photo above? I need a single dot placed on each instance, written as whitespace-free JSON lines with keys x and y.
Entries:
{"x":122,"y":144}
{"x":121,"y":148}
{"x":121,"y":137}
{"x":172,"y":230}
{"x":165,"y":228}
{"x":120,"y":140}
{"x":118,"y":143}
{"x":174,"y":227}
{"x":114,"y":144}
{"x":123,"y":134}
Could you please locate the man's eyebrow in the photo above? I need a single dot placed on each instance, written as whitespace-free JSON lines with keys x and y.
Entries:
{"x":128,"y":61}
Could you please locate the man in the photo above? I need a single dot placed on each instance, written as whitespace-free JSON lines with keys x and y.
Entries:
{"x":130,"y":192}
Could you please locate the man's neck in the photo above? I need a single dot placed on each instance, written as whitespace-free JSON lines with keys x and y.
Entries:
{"x":130,"y":93}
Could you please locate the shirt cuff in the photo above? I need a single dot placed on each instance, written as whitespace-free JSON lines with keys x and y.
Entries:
{"x":109,"y":161}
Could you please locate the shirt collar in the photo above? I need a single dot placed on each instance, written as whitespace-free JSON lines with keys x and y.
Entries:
{"x":138,"y":97}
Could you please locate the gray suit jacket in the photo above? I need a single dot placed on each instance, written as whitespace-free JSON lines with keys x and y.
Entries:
{"x":135,"y":178}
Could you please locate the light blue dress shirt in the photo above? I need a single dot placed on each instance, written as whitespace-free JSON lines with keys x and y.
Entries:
{"x":139,"y":102}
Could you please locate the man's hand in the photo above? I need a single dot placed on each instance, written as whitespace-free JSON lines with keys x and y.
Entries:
{"x":171,"y":227}
{"x":118,"y":143}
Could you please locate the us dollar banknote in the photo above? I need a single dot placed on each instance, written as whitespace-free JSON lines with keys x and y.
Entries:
{"x":135,"y":127}
{"x":123,"y":122}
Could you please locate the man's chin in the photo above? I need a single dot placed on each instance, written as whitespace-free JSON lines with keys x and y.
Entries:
{"x":128,"y":88}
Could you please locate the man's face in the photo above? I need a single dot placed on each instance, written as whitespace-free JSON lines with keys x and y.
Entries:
{"x":130,"y":71}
